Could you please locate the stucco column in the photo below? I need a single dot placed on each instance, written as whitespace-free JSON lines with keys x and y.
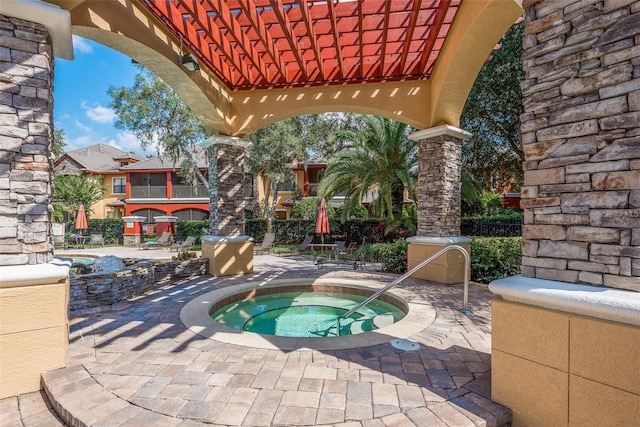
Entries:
{"x":439,"y":160}
{"x":568,"y":328}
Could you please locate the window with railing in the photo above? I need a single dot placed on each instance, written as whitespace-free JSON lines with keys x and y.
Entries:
{"x":156,"y":192}
{"x":148,"y":186}
{"x":189,"y":192}
{"x":118,"y":186}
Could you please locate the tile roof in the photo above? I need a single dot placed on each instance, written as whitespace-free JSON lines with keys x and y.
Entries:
{"x":164,"y":162}
{"x":100,"y":158}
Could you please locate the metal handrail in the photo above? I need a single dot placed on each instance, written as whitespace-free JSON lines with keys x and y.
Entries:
{"x":467,"y":267}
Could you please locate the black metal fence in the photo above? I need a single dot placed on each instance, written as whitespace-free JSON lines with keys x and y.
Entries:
{"x":293,"y":231}
{"x":491,"y":227}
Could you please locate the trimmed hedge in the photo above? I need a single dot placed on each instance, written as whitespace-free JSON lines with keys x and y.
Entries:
{"x":491,"y":257}
{"x":494,"y":258}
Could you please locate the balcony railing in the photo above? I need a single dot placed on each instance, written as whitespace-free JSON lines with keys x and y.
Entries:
{"x":313,"y":190}
{"x":189,"y":192}
{"x":155,"y":192}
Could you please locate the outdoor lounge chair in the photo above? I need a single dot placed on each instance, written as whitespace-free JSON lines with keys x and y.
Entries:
{"x":185,"y":245}
{"x":96,"y":239}
{"x":305,"y":243}
{"x":358,"y":262}
{"x":267,"y":244}
{"x":164,"y":240}
{"x":338,"y":249}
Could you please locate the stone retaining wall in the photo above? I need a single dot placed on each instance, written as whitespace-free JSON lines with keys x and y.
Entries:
{"x":174,"y":270}
{"x":26,"y":103}
{"x":581,"y":136}
{"x":103,"y":289}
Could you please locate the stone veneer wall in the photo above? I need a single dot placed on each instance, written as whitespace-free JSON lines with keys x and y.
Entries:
{"x":102,"y":289}
{"x":26,"y":102}
{"x":231,"y":201}
{"x":439,"y":186}
{"x":581,"y":136}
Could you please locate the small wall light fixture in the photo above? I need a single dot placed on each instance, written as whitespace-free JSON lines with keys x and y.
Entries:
{"x":189,"y":62}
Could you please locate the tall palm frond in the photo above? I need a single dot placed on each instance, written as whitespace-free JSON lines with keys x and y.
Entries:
{"x":380,"y":159}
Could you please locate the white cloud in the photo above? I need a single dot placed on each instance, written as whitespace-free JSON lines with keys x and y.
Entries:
{"x":81,"y":45}
{"x":82,"y":126}
{"x":126,"y":141}
{"x":99,"y":113}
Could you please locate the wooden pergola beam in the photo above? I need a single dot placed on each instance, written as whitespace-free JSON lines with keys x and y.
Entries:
{"x":415,"y":11}
{"x":255,"y":18}
{"x":385,"y":32}
{"x":279,"y":11}
{"x":306,"y":17}
{"x":336,"y":37}
{"x":434,"y":30}
{"x":182,"y":26}
{"x":223,"y":13}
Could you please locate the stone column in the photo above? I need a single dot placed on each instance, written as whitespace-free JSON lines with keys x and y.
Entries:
{"x":561,"y":329}
{"x":229,"y":251}
{"x":26,"y":129}
{"x":34,"y":294}
{"x":231,"y":203}
{"x":581,"y":137}
{"x":439,"y":153}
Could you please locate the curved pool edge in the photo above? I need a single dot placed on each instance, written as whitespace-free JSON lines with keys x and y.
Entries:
{"x":195,"y":317}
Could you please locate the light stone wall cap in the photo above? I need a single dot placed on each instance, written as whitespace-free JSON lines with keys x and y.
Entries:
{"x":603,"y":303}
{"x":225,"y":139}
{"x":226,"y":239}
{"x":16,"y":276}
{"x":438,"y":241}
{"x":165,"y":218}
{"x":53,"y":17}
{"x":447,"y":130}
{"x":134,"y":218}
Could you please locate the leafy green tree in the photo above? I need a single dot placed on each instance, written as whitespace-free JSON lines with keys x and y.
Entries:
{"x":160,"y":119}
{"x":492,"y":114}
{"x":381,"y":160}
{"x":274,"y":148}
{"x":70,"y":191}
{"x":305,"y":209}
{"x":57,"y":148}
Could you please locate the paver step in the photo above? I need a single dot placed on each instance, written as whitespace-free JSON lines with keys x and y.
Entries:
{"x":79,"y":400}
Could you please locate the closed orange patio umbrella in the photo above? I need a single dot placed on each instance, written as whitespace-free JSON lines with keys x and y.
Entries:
{"x":81,"y":219}
{"x":322,"y":220}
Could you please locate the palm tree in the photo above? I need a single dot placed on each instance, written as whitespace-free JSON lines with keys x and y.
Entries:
{"x":380,"y":158}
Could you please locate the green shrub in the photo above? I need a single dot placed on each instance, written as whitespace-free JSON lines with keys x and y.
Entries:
{"x":111,"y":229}
{"x":495,"y":258}
{"x":392,"y":256}
{"x":197,"y":228}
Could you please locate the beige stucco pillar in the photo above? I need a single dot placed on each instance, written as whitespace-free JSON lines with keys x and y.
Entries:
{"x":34,"y":290}
{"x":566,"y":334}
{"x":440,"y":162}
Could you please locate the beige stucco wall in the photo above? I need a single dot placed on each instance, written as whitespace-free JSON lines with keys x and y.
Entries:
{"x":34,"y":326}
{"x":554,"y":368}
{"x":447,"y":268}
{"x":228,"y":256}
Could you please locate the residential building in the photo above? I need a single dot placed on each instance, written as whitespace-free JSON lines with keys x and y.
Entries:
{"x":155,"y":188}
{"x":104,"y":161}
{"x":308,"y":175}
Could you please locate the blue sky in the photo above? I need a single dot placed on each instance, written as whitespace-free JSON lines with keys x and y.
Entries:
{"x":81,"y":102}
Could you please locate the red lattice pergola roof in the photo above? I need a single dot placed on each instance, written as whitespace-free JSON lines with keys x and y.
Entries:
{"x":253,"y":44}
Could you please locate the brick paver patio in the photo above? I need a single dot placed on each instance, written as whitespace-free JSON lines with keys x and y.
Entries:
{"x":135,"y":364}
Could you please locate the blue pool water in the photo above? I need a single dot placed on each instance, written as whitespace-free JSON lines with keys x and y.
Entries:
{"x":306,"y":314}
